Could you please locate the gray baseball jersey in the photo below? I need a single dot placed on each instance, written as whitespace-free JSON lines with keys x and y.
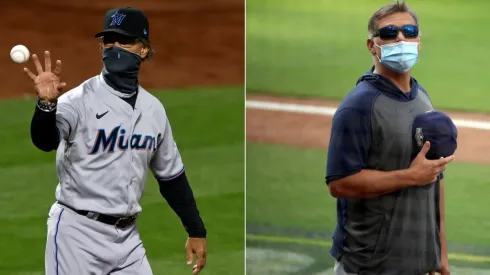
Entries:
{"x":107,"y":148}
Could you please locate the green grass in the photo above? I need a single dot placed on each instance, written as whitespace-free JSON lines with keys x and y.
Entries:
{"x":293,"y":179}
{"x":208,"y":126}
{"x":318,"y":48}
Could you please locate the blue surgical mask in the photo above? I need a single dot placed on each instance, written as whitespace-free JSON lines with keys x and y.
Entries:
{"x":400,"y":56}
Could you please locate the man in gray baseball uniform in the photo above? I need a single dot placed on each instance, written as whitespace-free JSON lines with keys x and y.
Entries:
{"x":108,"y":132}
{"x":390,"y":206}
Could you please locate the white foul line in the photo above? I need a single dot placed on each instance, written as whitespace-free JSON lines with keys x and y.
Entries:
{"x":330,"y":111}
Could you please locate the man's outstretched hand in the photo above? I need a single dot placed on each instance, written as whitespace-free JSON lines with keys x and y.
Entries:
{"x":46,"y":83}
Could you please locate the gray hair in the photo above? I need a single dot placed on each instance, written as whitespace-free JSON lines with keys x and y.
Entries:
{"x":387,"y":10}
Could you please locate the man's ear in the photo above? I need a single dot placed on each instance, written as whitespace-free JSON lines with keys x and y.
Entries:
{"x":371,"y":46}
{"x":144,"y":52}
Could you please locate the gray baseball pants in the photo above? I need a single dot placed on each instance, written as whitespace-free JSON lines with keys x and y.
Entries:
{"x":78,"y":245}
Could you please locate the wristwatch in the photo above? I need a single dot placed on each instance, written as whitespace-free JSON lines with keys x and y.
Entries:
{"x":46,"y":106}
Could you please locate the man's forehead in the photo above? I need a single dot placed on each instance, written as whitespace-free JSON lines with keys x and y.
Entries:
{"x":397,"y":19}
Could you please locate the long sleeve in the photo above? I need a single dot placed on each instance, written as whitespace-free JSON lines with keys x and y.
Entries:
{"x":49,"y":128}
{"x":168,"y":169}
{"x":44,"y":132}
{"x":178,"y":193}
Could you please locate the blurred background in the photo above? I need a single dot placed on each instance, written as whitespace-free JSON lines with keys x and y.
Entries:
{"x":303,"y":57}
{"x":198,"y":74}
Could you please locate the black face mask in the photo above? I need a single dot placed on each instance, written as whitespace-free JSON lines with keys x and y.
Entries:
{"x":121,"y":69}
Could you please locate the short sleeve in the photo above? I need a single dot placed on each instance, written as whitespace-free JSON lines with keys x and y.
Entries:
{"x":349,"y":145}
{"x":66,"y":117}
{"x":166,"y":163}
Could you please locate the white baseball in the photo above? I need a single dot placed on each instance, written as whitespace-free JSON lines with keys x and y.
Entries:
{"x":19,"y":54}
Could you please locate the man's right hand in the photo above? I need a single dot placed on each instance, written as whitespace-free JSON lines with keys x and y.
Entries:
{"x":47,"y":84}
{"x":425,"y":171}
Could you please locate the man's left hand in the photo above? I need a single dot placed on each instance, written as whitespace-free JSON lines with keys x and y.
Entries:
{"x":444,"y":268}
{"x":197,"y":246}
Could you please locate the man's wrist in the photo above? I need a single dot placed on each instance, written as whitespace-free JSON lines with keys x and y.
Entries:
{"x":198,"y":231}
{"x":405,"y":176}
{"x":46,"y":106}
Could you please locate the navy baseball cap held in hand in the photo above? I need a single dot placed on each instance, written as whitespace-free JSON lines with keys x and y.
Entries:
{"x":437,"y":128}
{"x":127,"y":21}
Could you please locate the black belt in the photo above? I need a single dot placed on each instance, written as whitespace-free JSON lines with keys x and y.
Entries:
{"x":119,"y":222}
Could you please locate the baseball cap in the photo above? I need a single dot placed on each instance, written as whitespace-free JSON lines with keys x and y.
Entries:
{"x":127,"y":21}
{"x":437,"y":128}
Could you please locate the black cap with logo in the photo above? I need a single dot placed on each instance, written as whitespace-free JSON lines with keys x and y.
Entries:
{"x":127,"y":21}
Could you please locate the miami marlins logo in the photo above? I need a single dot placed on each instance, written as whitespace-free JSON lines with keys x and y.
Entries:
{"x":117,"y":19}
{"x":123,"y":142}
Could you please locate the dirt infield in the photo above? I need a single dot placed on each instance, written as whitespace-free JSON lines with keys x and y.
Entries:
{"x":197,"y":43}
{"x":306,"y":130}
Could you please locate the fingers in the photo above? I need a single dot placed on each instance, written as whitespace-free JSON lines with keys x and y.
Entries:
{"x":448,"y":159}
{"x":30,"y":74}
{"x":47,"y":61}
{"x":61,"y":86}
{"x":201,"y":260}
{"x":188,"y":251}
{"x":57,"y":68}
{"x":444,"y":161}
{"x":437,"y":170}
{"x":443,"y":168}
{"x":39,"y":68}
{"x":197,"y":269}
{"x":425,"y":149}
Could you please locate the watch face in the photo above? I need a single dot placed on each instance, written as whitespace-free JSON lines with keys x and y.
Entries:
{"x":46,"y":106}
